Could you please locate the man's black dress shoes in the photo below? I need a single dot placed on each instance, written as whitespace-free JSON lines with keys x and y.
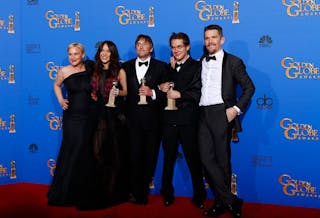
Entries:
{"x":215,"y":210}
{"x":235,"y":208}
{"x":198,"y":203}
{"x":167,"y":201}
{"x":139,"y":201}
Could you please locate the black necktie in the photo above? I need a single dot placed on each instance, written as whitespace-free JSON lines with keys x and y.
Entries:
{"x":143,"y":63}
{"x":208,"y":58}
{"x":177,"y":65}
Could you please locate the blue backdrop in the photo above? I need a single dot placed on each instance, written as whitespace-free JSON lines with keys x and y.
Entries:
{"x":275,"y":160}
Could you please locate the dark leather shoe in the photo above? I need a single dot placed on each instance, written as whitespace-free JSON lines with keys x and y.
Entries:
{"x":167,"y":201}
{"x":140,"y":201}
{"x":235,"y":208}
{"x":215,"y":210}
{"x":198,"y":203}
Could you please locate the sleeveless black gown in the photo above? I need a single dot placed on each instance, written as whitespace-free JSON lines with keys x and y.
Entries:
{"x":75,"y":162}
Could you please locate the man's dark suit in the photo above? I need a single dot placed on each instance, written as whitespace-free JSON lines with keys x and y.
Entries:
{"x":215,"y":131}
{"x":180,"y":127}
{"x":144,"y":126}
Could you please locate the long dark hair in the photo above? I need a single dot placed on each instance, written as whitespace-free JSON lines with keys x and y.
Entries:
{"x":101,"y":77}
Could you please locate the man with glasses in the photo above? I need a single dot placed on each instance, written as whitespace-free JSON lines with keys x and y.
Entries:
{"x":180,"y":126}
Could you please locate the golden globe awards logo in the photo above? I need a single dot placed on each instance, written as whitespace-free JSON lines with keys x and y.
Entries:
{"x":52,"y":69}
{"x":295,"y":187}
{"x":8,"y":126}
{"x":3,"y":171}
{"x":10,"y":77}
{"x":217,"y":12}
{"x":298,"y":131}
{"x":55,"y":122}
{"x":59,"y":21}
{"x":51,"y":164}
{"x":12,"y":174}
{"x":300,"y":69}
{"x":134,"y":16}
{"x":9,"y":25}
{"x":302,"y":7}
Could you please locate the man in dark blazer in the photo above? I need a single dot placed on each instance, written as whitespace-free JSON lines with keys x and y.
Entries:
{"x":143,"y":119}
{"x":180,"y":126}
{"x":219,"y":110}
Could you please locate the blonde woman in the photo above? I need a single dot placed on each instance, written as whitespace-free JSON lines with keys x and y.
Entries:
{"x":74,"y":176}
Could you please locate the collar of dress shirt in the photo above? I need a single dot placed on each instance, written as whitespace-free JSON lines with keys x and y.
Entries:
{"x":184,"y":61}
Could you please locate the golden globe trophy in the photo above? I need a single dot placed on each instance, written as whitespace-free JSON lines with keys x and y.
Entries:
{"x":111,"y":96}
{"x":77,"y":21}
{"x":234,"y":136}
{"x":12,"y":128}
{"x":11,"y":74}
{"x":235,"y":12}
{"x":13,"y":171}
{"x":171,"y":103}
{"x":143,"y":98}
{"x":234,"y":184}
{"x":151,"y":17}
{"x":11,"y":24}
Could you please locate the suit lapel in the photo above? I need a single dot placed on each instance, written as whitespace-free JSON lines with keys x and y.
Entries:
{"x":148,"y":75}
{"x":134,"y":73}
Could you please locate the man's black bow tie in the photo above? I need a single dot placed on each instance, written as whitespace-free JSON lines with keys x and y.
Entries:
{"x":143,"y":63}
{"x":177,"y":65}
{"x":208,"y":58}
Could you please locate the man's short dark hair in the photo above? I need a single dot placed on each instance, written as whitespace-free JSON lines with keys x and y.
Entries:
{"x":214,"y":27}
{"x":180,"y":35}
{"x":145,"y":37}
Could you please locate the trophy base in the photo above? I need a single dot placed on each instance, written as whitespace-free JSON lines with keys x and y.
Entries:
{"x":110,"y":105}
{"x":170,"y":108}
{"x":142,"y":103}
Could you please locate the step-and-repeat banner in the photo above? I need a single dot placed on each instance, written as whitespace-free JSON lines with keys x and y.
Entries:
{"x":276,"y":159}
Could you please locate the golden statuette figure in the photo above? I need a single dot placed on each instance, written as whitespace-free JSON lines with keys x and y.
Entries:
{"x":12,"y":128}
{"x":235,"y":12}
{"x":111,"y":99}
{"x":11,"y":74}
{"x":171,"y":103}
{"x":143,"y":98}
{"x":77,"y":21}
{"x":13,"y":173}
{"x":151,"y":17}
{"x":11,"y":24}
{"x":234,"y":184}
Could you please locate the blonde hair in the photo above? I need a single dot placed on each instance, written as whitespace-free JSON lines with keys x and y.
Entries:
{"x":76,"y":45}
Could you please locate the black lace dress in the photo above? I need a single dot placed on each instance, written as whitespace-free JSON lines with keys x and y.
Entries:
{"x":111,"y":148}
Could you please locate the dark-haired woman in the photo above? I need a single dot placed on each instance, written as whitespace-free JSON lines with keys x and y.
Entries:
{"x":110,"y":140}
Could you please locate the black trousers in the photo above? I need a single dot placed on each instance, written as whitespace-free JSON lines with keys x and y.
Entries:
{"x":144,"y":147}
{"x":186,"y":135}
{"x":214,"y":141}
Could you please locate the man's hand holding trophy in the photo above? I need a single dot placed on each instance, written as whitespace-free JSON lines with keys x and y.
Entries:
{"x":172,"y":95}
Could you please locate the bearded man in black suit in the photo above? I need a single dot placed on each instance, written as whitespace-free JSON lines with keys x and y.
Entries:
{"x":220,"y":108}
{"x":144,"y":75}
